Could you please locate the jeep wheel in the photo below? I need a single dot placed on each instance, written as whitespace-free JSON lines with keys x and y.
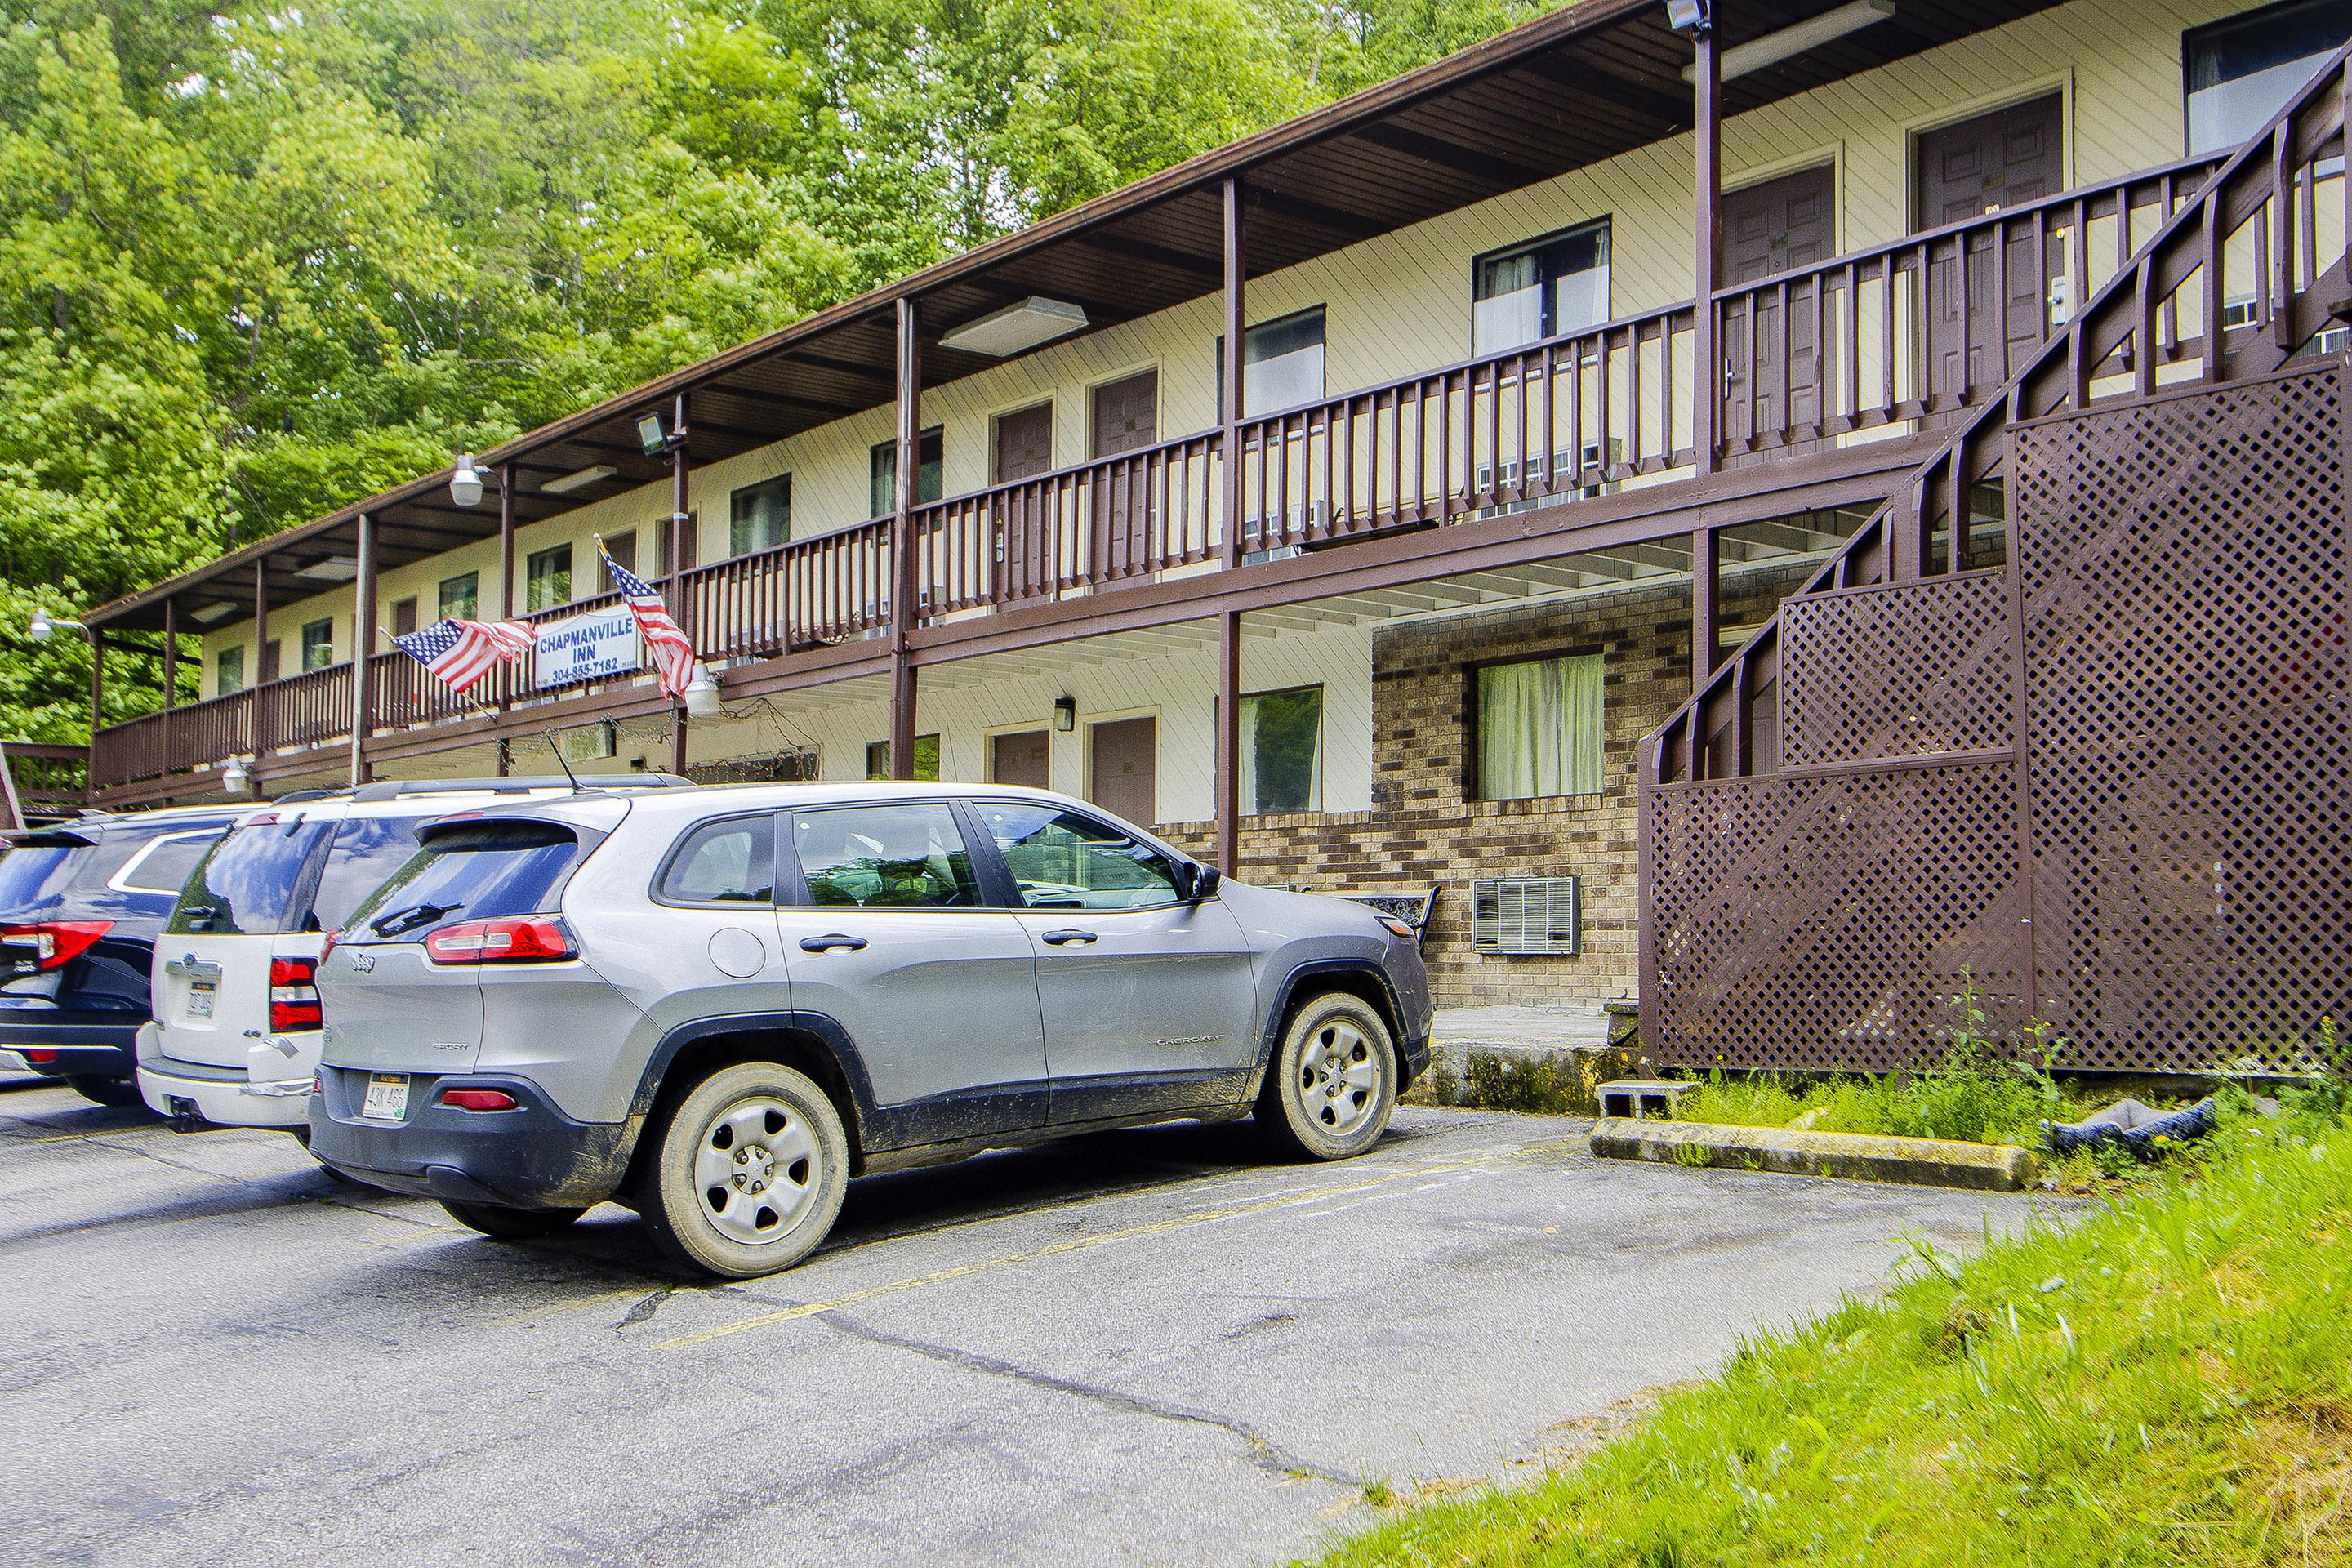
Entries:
{"x":505,"y":1224}
{"x":1333,"y":1083}
{"x":747,"y":1173}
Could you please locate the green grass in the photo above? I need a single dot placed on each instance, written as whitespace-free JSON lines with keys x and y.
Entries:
{"x":2168,"y":1381}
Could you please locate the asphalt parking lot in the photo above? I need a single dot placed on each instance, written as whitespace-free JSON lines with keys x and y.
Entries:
{"x":1142,"y":1347}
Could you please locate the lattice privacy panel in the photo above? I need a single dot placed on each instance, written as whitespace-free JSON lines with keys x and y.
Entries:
{"x":1825,"y":921}
{"x":2189,"y":737}
{"x":2186,"y":764}
{"x":1909,"y":670}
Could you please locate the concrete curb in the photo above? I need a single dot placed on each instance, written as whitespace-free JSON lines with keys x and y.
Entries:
{"x":1924,"y":1161}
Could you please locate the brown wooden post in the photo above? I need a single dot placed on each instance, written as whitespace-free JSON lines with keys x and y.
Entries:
{"x":506,"y":542}
{"x":902,"y":543}
{"x":1229,"y":749}
{"x":170,"y":682}
{"x":505,"y":675}
{"x":1707,"y":355}
{"x":97,"y":681}
{"x":1228,"y":782}
{"x":364,"y":652}
{"x":256,"y":718}
{"x":1706,"y":587}
{"x":679,"y":611}
{"x":171,"y":654}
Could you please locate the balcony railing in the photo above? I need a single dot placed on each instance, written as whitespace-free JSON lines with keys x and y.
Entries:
{"x":1910,"y":334}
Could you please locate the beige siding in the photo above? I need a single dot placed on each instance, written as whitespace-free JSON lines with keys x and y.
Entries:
{"x":1401,"y":303}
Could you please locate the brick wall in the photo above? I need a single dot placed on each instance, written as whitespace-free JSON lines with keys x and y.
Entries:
{"x":1424,"y":829}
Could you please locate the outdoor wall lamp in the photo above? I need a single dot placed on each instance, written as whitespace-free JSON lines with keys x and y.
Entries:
{"x":1066,"y":714}
{"x":703,"y":694}
{"x":42,"y":625}
{"x":465,"y":483}
{"x":1692,"y":17}
{"x":236,"y":778}
{"x":655,"y":437}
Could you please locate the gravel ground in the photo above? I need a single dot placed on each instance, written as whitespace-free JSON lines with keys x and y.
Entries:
{"x":1143,"y":1347}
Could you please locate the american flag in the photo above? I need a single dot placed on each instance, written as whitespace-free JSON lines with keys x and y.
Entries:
{"x":462,"y":652}
{"x":666,"y":645}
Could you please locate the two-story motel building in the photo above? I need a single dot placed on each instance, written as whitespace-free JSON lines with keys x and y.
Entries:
{"x":979,"y":522}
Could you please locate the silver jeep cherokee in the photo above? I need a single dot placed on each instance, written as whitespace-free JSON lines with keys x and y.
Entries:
{"x":718,"y":1005}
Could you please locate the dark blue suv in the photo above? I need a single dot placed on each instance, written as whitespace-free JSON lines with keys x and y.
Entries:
{"x":81,"y":904}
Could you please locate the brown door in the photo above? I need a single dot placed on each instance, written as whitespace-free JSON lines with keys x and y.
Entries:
{"x":687,"y":536}
{"x":1022,"y":759}
{"x":269,"y":661}
{"x":1123,"y":754}
{"x":2003,"y":159}
{"x":403,"y":616}
{"x":1775,"y":226}
{"x":1125,"y":419}
{"x":1025,"y":449}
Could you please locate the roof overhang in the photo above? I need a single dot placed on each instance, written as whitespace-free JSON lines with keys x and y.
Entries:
{"x":1569,"y":89}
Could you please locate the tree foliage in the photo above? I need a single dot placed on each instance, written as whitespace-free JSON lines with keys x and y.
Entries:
{"x":256,"y":263}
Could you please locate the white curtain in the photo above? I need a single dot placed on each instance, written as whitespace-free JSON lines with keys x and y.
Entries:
{"x":1539,"y":728}
{"x":1249,"y":755}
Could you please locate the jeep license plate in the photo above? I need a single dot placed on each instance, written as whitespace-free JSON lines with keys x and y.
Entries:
{"x":200,"y":998}
{"x":387,"y":1097}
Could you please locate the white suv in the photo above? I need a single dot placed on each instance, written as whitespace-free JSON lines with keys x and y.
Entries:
{"x":235,"y":1037}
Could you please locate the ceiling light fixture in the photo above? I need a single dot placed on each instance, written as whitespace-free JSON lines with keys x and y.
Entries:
{"x":333,"y":569}
{"x":1791,"y":41}
{"x":578,"y":479}
{"x":220,"y":610}
{"x":1019,"y":326}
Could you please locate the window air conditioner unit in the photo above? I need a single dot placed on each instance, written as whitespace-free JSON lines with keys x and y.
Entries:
{"x":1528,"y":915}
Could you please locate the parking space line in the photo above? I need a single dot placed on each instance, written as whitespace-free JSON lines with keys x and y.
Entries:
{"x":1061,"y":1249}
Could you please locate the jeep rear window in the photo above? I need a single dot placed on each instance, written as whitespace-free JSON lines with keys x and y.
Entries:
{"x":247,"y":886}
{"x":367,"y":852}
{"x":481,"y":871}
{"x":34,"y":873}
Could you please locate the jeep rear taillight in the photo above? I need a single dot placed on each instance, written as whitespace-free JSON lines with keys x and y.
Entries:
{"x":531,"y":939}
{"x":55,"y":943}
{"x":293,"y":995}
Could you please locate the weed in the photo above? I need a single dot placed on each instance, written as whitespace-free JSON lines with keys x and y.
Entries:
{"x":1379,"y":1493}
{"x":1693,"y":1156}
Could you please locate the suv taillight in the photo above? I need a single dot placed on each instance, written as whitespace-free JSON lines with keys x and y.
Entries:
{"x":531,"y":939}
{"x":56,"y":944}
{"x":293,"y":995}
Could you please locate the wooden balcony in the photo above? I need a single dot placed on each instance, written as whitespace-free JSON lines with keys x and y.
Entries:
{"x":1886,"y":341}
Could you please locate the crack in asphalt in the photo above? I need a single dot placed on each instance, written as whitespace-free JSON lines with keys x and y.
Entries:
{"x":1264,"y":1452}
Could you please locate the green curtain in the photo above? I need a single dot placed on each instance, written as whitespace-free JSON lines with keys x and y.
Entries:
{"x":1539,"y":728}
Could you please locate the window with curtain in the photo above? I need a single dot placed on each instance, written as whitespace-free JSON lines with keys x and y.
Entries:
{"x":459,"y":597}
{"x":759,"y":517}
{"x":228,"y":671}
{"x":930,"y":472}
{"x":1556,"y":285}
{"x":927,"y":759}
{"x":2241,"y":71}
{"x":1282,"y":364}
{"x":318,"y":645}
{"x":1539,"y":728}
{"x":1282,"y":751}
{"x":547,"y":578}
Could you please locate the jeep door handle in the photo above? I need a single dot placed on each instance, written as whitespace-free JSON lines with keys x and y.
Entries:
{"x":826,"y":943}
{"x":1063,"y":938}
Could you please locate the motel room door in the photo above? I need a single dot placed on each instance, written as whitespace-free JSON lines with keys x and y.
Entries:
{"x":1025,"y":517}
{"x":1125,"y":768}
{"x":2002,"y":159}
{"x":1125,"y":419}
{"x":1768,"y":229}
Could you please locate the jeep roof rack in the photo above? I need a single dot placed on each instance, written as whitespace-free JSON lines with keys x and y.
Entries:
{"x":517,"y":783}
